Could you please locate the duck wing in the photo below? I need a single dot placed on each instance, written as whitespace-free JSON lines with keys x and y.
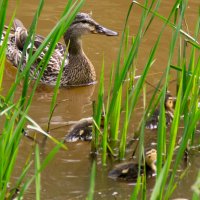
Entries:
{"x":55,"y":61}
{"x":14,"y":53}
{"x":21,"y":34}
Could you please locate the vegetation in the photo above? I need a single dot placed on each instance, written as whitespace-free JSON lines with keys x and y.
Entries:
{"x":119,"y":108}
{"x":14,"y":113}
{"x":118,"y":104}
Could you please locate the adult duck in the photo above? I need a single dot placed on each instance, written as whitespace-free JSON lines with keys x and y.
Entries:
{"x":78,"y":70}
{"x":129,"y":171}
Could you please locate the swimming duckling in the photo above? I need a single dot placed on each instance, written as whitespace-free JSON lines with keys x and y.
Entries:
{"x":129,"y":171}
{"x":152,"y":123}
{"x":82,"y":130}
{"x":78,"y":69}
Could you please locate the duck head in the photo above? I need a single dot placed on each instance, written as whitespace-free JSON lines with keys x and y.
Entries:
{"x":83,"y":24}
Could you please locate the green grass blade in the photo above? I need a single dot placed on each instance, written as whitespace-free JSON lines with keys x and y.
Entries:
{"x":196,"y":189}
{"x":37,"y":167}
{"x":98,"y":111}
{"x":136,"y":190}
{"x":122,"y":146}
{"x":114,"y":123}
{"x":161,"y":148}
{"x":3,"y":9}
{"x":2,"y":66}
{"x":92,"y":182}
{"x":55,"y":93}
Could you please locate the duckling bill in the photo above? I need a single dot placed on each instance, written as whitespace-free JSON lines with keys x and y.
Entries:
{"x":129,"y":171}
{"x":78,"y":69}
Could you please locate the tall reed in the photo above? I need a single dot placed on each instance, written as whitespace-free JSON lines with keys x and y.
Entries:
{"x":186,"y":100}
{"x":14,"y":113}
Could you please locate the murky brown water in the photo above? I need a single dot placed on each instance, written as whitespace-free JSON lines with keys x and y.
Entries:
{"x":68,"y":175}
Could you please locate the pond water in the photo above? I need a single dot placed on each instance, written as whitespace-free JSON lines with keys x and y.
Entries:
{"x":68,"y":175}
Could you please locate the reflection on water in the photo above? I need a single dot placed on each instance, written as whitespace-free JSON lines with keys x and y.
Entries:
{"x":67,"y":177}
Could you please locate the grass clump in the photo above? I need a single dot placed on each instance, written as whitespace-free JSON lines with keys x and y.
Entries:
{"x":14,"y":113}
{"x":122,"y":97}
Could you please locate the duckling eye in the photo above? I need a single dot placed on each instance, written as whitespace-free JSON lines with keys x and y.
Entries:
{"x":83,"y":21}
{"x":170,"y":102}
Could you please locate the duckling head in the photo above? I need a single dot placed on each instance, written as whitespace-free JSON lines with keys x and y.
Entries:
{"x":150,"y":159}
{"x":169,"y":102}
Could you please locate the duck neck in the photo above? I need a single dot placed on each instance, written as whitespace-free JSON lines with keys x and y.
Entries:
{"x":75,"y":45}
{"x":79,"y":70}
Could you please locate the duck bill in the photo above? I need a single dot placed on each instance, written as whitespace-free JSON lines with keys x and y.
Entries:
{"x":104,"y":31}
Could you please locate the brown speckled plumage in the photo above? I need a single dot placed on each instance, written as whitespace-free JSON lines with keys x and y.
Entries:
{"x":78,"y":70}
{"x":129,"y":171}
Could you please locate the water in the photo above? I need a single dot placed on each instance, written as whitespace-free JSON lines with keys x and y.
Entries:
{"x":68,"y":175}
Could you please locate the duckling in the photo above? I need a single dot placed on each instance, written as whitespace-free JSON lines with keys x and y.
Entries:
{"x":152,"y":123}
{"x":82,"y":130}
{"x":78,"y":69}
{"x":129,"y":171}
